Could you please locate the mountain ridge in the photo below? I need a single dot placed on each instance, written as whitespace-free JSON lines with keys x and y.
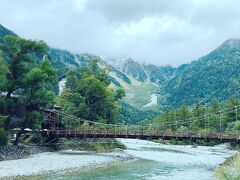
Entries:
{"x":63,"y":60}
{"x":213,"y":76}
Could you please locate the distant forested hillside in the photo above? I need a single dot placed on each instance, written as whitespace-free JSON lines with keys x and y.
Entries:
{"x":4,"y":32}
{"x":214,"y":76}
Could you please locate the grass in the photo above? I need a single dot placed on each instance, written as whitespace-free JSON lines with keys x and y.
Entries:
{"x":141,"y":93}
{"x":230,"y":169}
{"x":89,"y":144}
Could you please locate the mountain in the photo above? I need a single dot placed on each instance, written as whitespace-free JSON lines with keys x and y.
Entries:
{"x":148,"y":72}
{"x":63,"y":60}
{"x":216,"y":75}
{"x":4,"y":31}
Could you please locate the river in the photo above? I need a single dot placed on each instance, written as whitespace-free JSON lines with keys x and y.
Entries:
{"x":158,"y":161}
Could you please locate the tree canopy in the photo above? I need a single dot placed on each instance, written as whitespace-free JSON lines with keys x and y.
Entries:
{"x":202,"y":118}
{"x":87,"y":95}
{"x":26,"y":79}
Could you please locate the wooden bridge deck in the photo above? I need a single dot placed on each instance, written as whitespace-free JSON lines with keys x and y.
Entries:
{"x":143,"y":134}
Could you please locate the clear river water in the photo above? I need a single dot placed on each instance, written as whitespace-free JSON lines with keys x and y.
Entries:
{"x":158,"y":161}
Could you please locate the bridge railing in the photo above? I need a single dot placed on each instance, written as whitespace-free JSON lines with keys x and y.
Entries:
{"x":144,"y":133}
{"x":64,"y":124}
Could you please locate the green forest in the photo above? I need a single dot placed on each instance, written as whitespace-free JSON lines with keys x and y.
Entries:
{"x":27,"y":85}
{"x":215,"y":117}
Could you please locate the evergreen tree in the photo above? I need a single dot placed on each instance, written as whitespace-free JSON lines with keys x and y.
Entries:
{"x":183,"y":114}
{"x":199,"y":115}
{"x":3,"y":70}
{"x":231,"y":105}
{"x":215,"y":106}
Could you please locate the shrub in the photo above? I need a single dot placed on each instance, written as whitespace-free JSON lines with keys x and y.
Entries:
{"x":230,"y":169}
{"x":3,"y":137}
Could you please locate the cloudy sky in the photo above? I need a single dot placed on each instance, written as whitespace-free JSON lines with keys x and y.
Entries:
{"x":153,"y":31}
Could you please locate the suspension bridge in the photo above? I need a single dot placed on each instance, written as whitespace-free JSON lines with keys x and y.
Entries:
{"x":61,"y":125}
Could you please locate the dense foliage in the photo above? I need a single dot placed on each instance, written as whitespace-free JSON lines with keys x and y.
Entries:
{"x":27,"y":81}
{"x":3,"y":137}
{"x":201,"y":118}
{"x":88,"y":96}
{"x":216,"y":75}
{"x":4,"y":32}
{"x":132,"y":115}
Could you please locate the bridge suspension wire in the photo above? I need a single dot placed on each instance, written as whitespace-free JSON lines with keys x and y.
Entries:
{"x":72,"y":117}
{"x":74,"y":127}
{"x":196,"y":118}
{"x":74,"y":123}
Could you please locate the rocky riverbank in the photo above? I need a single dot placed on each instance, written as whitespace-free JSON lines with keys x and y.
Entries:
{"x":62,"y":161}
{"x":18,"y":152}
{"x":96,"y":145}
{"x":67,"y":155}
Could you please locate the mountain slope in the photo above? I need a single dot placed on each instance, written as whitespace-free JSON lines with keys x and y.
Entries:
{"x":64,"y":60}
{"x":147,"y":72}
{"x":4,"y":31}
{"x":216,"y":75}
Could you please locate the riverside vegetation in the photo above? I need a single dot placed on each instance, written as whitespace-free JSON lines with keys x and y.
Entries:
{"x":27,"y":84}
{"x":229,"y":169}
{"x":204,"y":118}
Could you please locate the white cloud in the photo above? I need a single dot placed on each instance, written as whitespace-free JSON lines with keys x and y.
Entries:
{"x":154,"y":31}
{"x":80,"y":4}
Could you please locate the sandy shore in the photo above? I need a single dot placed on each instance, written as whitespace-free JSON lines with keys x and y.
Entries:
{"x":44,"y":163}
